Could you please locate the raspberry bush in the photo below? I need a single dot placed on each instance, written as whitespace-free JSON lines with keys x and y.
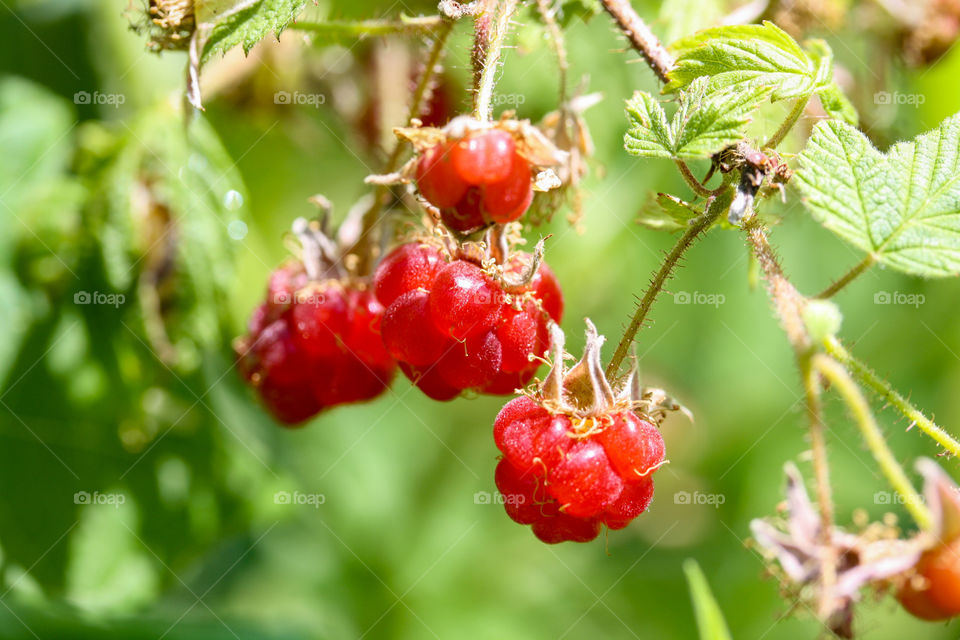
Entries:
{"x":504,"y":180}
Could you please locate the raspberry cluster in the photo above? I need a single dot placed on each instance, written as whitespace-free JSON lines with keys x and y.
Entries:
{"x":476,"y":180}
{"x":576,"y":456}
{"x":453,"y":327}
{"x":314,"y":344}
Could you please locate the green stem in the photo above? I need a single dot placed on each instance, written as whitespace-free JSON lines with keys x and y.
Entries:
{"x":848,"y":277}
{"x":857,"y":403}
{"x":498,"y":29}
{"x":882,"y":388}
{"x":697,"y":226}
{"x":691,"y":180}
{"x":798,"y":107}
{"x":821,"y":469}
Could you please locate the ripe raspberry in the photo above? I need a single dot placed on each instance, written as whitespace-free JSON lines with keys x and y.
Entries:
{"x":314,"y":344}
{"x":483,"y":157}
{"x":453,"y":326}
{"x":476,"y":180}
{"x":934,"y":594}
{"x":410,"y":266}
{"x":575,"y":454}
{"x":464,"y":300}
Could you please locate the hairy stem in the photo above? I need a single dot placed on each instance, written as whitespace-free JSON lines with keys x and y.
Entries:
{"x":787,"y":301}
{"x":691,"y":180}
{"x":697,"y":226}
{"x":641,"y":37}
{"x":857,"y":403}
{"x":821,"y":471}
{"x":848,"y":277}
{"x":382,"y":193}
{"x":882,"y":388}
{"x":489,"y":59}
{"x":798,"y":108}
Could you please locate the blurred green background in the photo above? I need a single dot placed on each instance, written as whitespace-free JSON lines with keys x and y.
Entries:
{"x":134,"y":401}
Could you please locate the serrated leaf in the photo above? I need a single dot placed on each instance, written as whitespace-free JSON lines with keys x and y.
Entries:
{"x":710,"y":620}
{"x":902,"y":206}
{"x":749,"y":56}
{"x":245,"y":22}
{"x":703,"y":124}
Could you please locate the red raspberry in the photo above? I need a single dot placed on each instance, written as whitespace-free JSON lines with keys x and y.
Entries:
{"x":507,"y":199}
{"x":314,"y":347}
{"x":577,"y":450}
{"x":453,"y":327}
{"x":464,"y":300}
{"x":408,"y":331}
{"x":319,"y":318}
{"x":936,"y":594}
{"x":437,"y":177}
{"x":484,"y":157}
{"x":476,"y":180}
{"x":408,"y":267}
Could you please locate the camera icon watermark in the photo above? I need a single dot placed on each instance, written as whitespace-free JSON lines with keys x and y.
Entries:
{"x":87,"y":498}
{"x":297,"y":97}
{"x":297,"y":498}
{"x":696,"y":297}
{"x":110,"y":99}
{"x":115,"y":300}
{"x":899,"y":298}
{"x":485,"y":497}
{"x":698,"y":498}
{"x":886,"y":97}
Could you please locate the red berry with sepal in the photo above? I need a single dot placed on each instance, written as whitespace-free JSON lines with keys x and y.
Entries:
{"x":581,"y":446}
{"x":455,"y":325}
{"x":476,"y":177}
{"x":316,"y":342}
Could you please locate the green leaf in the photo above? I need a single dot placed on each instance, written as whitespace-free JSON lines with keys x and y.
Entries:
{"x":245,"y":22}
{"x":902,"y":206}
{"x":670,"y":214}
{"x":838,"y":106}
{"x":710,"y":620}
{"x":703,"y":124}
{"x":750,"y":56}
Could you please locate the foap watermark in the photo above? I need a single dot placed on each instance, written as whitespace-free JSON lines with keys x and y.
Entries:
{"x":306,"y":297}
{"x":98,"y":297}
{"x":485,"y":497}
{"x":298,"y":97}
{"x":111,"y":99}
{"x":299,"y":498}
{"x":698,"y":498}
{"x":897,"y":297}
{"x":698,"y":297}
{"x":892,"y":497}
{"x":514,"y":99}
{"x":112,"y":499}
{"x":886,"y":97}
